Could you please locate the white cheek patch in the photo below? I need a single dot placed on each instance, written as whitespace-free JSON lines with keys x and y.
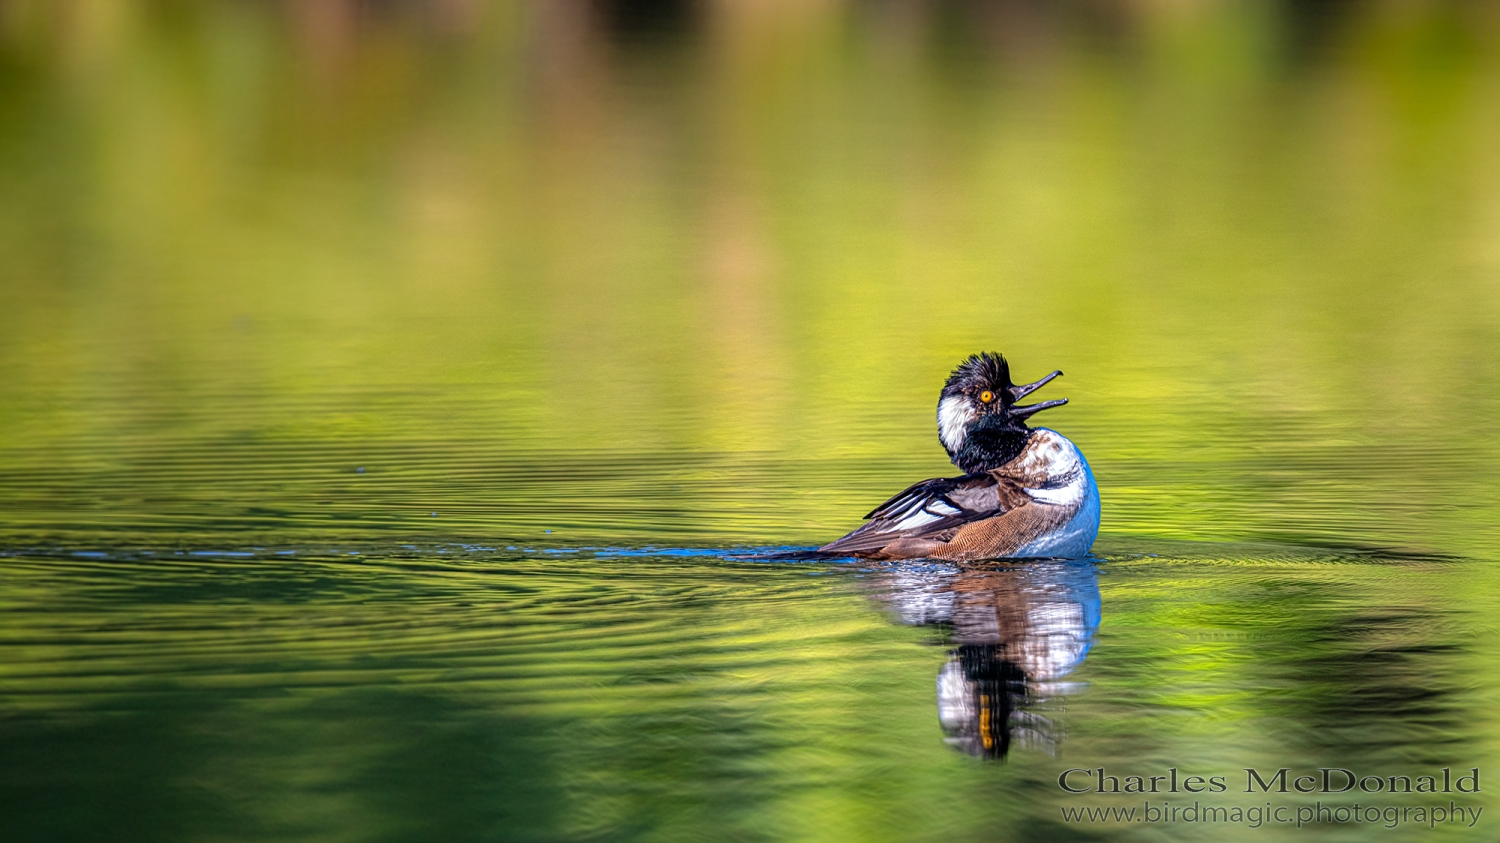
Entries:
{"x":954,"y":416}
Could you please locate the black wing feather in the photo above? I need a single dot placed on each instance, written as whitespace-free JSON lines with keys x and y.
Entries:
{"x":920,"y":494}
{"x":951,"y":501}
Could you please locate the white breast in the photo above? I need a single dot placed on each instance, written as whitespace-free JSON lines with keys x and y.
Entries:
{"x":1068,"y":483}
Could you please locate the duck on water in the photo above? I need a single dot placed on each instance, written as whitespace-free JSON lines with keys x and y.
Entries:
{"x":1025,"y":492}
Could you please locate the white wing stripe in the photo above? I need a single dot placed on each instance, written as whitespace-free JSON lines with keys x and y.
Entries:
{"x":917,"y":519}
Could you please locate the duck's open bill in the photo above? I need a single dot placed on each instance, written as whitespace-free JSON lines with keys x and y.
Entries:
{"x":1019,"y":392}
{"x":1023,"y":412}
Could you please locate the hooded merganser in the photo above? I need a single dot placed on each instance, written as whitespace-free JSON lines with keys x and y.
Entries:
{"x":1026,"y":492}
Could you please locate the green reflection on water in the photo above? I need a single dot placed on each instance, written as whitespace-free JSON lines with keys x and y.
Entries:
{"x":532,"y":273}
{"x":464,"y":692}
{"x":341,"y":276}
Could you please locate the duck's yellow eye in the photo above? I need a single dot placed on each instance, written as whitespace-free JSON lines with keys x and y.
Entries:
{"x":986,"y":396}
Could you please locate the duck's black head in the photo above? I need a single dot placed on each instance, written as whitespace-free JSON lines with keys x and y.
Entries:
{"x":979,"y":422}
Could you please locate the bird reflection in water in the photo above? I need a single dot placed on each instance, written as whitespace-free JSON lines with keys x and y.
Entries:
{"x":1019,"y":629}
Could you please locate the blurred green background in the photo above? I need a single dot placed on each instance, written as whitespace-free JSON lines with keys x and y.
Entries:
{"x":335,"y":334}
{"x":695,"y":271}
